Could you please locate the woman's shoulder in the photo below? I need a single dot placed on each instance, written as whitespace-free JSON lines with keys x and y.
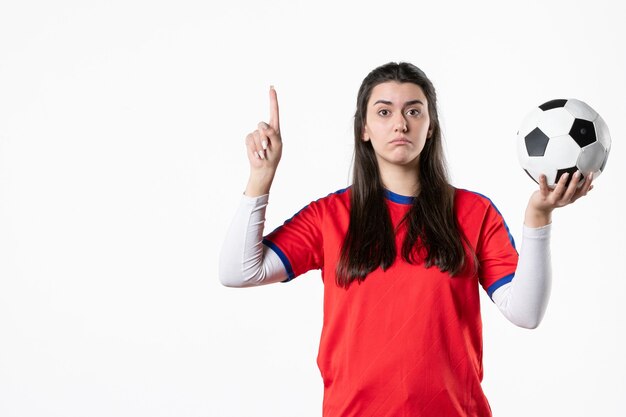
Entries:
{"x":462,"y":195}
{"x":472,"y":201}
{"x":335,"y":201}
{"x":339,"y":198}
{"x":342,"y":194}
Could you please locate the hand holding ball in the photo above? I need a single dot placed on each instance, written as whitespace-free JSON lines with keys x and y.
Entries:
{"x":562,"y":136}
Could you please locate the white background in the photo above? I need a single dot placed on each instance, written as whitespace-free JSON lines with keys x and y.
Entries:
{"x":122,"y":158}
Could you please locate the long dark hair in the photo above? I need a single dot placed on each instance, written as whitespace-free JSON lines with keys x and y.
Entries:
{"x":433,"y":235}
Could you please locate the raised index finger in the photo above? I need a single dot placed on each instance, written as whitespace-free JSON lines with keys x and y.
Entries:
{"x":274,"y":120}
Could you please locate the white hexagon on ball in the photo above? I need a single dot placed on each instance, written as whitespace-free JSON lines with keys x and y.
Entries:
{"x":580,"y":110}
{"x":591,"y":159}
{"x":555,"y":122}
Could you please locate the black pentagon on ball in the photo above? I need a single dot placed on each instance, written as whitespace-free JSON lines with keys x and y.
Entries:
{"x":583,"y":132}
{"x":536,"y":142}
{"x":553,"y":104}
{"x":571,"y":172}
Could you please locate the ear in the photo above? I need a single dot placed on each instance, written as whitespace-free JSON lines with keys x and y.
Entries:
{"x":365,"y":137}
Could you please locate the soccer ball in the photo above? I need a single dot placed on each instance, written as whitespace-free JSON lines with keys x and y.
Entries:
{"x":563,"y":136}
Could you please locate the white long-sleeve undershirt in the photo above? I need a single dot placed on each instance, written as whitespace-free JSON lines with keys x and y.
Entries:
{"x":246,"y":262}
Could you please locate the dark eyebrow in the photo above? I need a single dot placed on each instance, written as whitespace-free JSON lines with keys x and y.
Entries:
{"x":408,"y":103}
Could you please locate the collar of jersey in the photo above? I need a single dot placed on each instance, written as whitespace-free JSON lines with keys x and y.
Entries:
{"x":398,"y":198}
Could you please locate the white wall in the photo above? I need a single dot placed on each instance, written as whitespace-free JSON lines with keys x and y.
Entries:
{"x":122,"y":159}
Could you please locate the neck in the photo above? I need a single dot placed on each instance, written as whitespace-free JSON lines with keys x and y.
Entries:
{"x":401,"y":180}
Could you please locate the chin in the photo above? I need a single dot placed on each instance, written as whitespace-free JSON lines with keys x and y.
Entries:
{"x":402,"y":161}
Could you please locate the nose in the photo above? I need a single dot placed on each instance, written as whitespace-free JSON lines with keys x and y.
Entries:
{"x":401,"y":125}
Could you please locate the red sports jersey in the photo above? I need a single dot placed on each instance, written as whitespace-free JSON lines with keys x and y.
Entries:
{"x":407,"y":341}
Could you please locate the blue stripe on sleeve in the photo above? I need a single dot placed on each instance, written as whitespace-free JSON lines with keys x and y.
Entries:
{"x":499,"y":283}
{"x":283,"y":258}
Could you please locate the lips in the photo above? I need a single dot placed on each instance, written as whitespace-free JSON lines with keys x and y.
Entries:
{"x":401,"y":140}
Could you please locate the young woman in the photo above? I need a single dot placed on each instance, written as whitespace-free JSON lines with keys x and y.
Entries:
{"x":402,"y":254}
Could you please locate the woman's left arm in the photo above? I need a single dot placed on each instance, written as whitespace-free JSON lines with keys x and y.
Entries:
{"x":524,"y":300}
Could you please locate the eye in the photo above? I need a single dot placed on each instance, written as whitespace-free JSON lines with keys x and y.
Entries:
{"x":383,"y":112}
{"x":413,"y":112}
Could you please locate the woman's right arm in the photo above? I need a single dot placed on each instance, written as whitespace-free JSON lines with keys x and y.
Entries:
{"x":244,"y":260}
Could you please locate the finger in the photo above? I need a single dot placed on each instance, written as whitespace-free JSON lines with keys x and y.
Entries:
{"x":561,"y":185}
{"x":273,"y":136}
{"x":257,"y":144}
{"x":586,"y":186}
{"x":543,"y":185}
{"x":262,"y":131}
{"x":572,"y":188}
{"x":251,"y":147}
{"x":274,"y":118}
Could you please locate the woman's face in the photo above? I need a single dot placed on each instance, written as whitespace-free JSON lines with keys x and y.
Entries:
{"x":397,"y":123}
